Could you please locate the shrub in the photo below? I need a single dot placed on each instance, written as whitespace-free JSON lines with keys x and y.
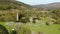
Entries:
{"x":47,"y":23}
{"x":3,"y":30}
{"x":13,"y":32}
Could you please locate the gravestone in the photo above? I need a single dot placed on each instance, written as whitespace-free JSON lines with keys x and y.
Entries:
{"x":31,"y":19}
{"x":33,"y":32}
{"x":36,"y":20}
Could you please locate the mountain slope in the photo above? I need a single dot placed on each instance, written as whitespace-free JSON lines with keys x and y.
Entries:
{"x":8,"y":9}
{"x":7,"y":4}
{"x":51,"y":5}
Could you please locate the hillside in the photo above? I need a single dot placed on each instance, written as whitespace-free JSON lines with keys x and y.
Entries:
{"x":53,"y":10}
{"x":8,"y":9}
{"x":7,"y":4}
{"x":49,"y":6}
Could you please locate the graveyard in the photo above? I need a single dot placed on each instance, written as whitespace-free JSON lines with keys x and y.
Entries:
{"x":30,"y":25}
{"x":19,"y":18}
{"x":31,"y":28}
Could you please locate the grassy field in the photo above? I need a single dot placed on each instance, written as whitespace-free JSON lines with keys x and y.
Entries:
{"x":51,"y":29}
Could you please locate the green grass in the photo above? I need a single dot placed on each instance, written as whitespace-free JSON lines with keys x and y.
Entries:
{"x":51,"y":29}
{"x":2,"y":23}
{"x":9,"y":28}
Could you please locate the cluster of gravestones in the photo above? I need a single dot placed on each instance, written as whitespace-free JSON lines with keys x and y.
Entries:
{"x":23,"y":19}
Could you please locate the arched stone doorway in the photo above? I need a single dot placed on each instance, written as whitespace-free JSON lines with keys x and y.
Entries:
{"x":20,"y":16}
{"x":3,"y":30}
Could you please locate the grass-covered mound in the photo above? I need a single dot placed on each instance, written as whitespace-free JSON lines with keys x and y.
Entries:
{"x":3,"y":30}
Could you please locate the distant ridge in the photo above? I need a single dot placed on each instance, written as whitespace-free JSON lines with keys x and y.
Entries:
{"x":49,"y":6}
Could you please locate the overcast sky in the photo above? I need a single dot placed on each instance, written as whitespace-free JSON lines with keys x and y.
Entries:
{"x":36,"y":2}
